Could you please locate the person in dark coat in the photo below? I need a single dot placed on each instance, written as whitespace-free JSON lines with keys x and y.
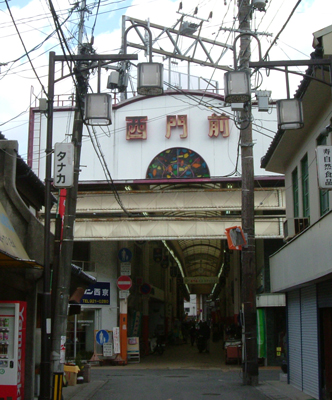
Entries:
{"x":206,"y":332}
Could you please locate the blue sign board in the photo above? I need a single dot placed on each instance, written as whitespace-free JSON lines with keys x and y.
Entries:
{"x":102,"y":337}
{"x":98,"y":293}
{"x":124,"y":255}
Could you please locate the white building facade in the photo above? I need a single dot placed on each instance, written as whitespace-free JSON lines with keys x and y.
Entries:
{"x":303,"y":268}
{"x":174,"y":163}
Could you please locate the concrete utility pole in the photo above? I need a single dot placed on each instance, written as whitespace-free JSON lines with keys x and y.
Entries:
{"x":66,"y":252}
{"x":249,"y":346}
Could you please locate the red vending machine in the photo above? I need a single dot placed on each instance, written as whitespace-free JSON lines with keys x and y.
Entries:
{"x":12,"y":349}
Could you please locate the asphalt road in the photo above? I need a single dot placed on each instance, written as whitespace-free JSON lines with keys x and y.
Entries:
{"x":164,"y":384}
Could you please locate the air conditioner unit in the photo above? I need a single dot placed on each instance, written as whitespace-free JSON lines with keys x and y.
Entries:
{"x":300,"y":224}
{"x":287,"y":235}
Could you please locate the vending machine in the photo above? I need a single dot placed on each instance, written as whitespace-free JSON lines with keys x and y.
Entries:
{"x":12,"y":349}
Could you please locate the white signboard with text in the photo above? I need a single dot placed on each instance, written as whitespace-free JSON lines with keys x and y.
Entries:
{"x":63,"y":165}
{"x":116,"y":340}
{"x":324,"y":166}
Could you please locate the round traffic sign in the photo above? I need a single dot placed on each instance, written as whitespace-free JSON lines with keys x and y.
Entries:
{"x":125,"y":255}
{"x":145,"y":288}
{"x":124,"y":282}
{"x":102,"y":337}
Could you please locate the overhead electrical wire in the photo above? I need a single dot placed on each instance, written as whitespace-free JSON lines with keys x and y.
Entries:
{"x":25,"y":49}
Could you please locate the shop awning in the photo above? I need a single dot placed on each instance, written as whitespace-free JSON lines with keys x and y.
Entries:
{"x":12,"y":252}
{"x":7,"y":260}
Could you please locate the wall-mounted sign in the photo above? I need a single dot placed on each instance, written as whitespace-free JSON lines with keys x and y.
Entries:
{"x":63,"y":165}
{"x":324,"y":166}
{"x":98,"y":293}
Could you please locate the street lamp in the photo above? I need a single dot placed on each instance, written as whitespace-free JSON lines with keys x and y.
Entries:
{"x":290,"y":114}
{"x":98,"y":109}
{"x":149,"y":75}
{"x":237,"y":86}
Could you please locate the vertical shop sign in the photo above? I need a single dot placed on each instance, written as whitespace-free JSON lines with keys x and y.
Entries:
{"x":324,"y":166}
{"x":116,"y":340}
{"x":63,"y":165}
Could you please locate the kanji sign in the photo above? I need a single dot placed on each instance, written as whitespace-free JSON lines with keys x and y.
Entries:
{"x":63,"y":165}
{"x":124,"y":282}
{"x":97,"y":293}
{"x":324,"y":166}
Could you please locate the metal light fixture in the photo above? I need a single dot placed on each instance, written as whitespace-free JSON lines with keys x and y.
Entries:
{"x":150,"y":79}
{"x":98,"y":109}
{"x":290,"y":114}
{"x":149,"y":74}
{"x":237,"y":86}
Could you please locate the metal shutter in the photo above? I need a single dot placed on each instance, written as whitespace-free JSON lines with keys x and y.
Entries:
{"x":294,"y":339}
{"x":309,"y":330}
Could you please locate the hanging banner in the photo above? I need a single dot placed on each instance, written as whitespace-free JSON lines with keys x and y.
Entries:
{"x":261,"y":333}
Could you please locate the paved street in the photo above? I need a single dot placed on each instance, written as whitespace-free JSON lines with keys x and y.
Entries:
{"x":179,"y":384}
{"x":181,"y":373}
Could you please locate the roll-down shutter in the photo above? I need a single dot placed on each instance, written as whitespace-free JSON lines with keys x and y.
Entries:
{"x":294,"y":338}
{"x":309,"y":330}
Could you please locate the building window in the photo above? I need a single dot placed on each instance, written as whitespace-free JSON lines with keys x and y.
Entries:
{"x":305,"y":186}
{"x":323,"y":193}
{"x":295,"y":184}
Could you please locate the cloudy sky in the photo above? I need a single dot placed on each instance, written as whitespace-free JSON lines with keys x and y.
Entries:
{"x":28,"y":27}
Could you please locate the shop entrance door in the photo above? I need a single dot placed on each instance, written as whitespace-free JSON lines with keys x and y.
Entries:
{"x":80,"y":336}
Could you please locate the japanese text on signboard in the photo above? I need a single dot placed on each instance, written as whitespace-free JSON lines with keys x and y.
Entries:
{"x":99,"y":293}
{"x":63,"y":165}
{"x":324,"y":166}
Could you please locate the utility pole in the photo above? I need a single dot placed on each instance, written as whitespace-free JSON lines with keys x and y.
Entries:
{"x":66,"y":252}
{"x":248,"y":287}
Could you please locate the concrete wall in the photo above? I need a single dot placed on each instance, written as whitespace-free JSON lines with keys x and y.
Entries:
{"x":305,"y":258}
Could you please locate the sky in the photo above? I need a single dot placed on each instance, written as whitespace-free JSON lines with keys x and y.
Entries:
{"x":29,"y":28}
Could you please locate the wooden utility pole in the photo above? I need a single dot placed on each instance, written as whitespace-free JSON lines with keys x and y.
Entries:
{"x":249,"y":345}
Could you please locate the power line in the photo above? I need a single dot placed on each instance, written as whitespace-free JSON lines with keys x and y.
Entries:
{"x":27,"y":53}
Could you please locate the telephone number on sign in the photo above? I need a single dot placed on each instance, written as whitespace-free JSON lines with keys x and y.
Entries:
{"x":94,"y":301}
